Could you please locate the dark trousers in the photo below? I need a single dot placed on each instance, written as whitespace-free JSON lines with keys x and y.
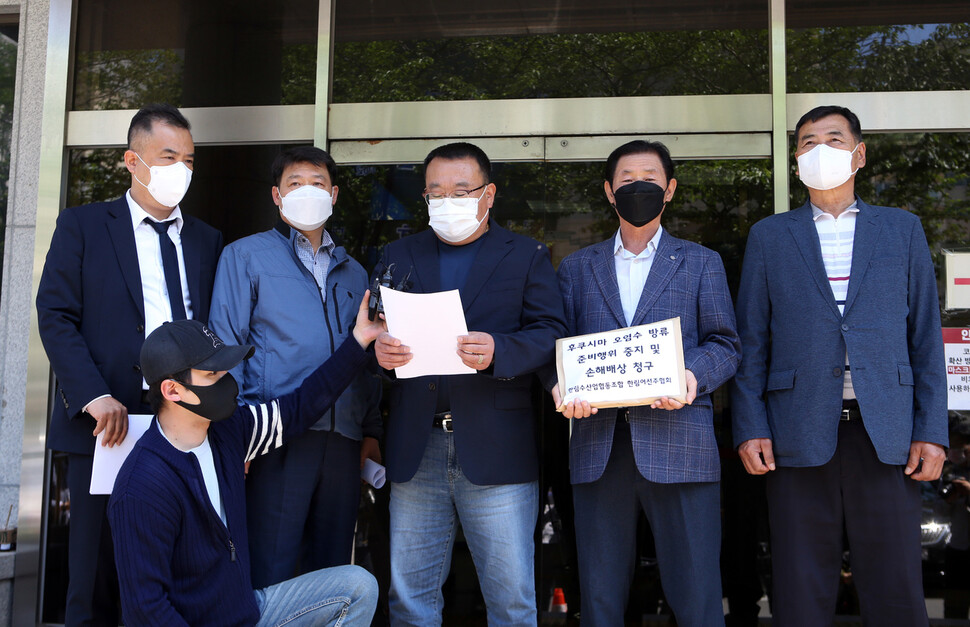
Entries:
{"x":880,"y":510}
{"x":301,"y":503}
{"x":686,"y":524}
{"x":92,"y":589}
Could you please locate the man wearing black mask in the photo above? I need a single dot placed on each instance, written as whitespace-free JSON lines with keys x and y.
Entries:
{"x":662,"y":457}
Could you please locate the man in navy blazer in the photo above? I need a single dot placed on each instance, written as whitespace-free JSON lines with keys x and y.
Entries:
{"x":464,"y":447}
{"x":841,"y":395}
{"x":662,"y":458}
{"x":102,"y":291}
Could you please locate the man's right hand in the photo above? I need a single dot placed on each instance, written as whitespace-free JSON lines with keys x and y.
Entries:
{"x":112,"y":418}
{"x":572,"y":409}
{"x":757,"y":456}
{"x":390,"y":353}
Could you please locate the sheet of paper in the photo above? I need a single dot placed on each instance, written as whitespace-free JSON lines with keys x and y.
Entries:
{"x":108,"y":460}
{"x":430,"y":324}
{"x":624,"y":367}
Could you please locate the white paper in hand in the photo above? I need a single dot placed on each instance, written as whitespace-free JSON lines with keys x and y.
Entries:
{"x":430,"y":325}
{"x":108,"y":461}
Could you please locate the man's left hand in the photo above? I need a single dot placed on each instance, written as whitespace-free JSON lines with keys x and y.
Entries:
{"x":932,"y":456}
{"x":670,"y":404}
{"x":476,"y":350}
{"x":370,"y":448}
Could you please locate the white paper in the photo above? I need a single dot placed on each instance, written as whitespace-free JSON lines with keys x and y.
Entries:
{"x":373,"y":473}
{"x":108,"y":460}
{"x":430,"y":325}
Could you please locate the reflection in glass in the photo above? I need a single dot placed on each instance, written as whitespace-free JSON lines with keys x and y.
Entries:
{"x":198,"y":54}
{"x":885,"y":46}
{"x":8,"y":79}
{"x":390,"y":52}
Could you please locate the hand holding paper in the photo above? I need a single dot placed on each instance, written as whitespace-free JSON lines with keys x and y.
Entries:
{"x":423,"y":331}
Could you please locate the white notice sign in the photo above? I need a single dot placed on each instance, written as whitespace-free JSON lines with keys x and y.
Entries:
{"x":623,"y":368}
{"x":956,"y":347}
{"x":956,"y":269}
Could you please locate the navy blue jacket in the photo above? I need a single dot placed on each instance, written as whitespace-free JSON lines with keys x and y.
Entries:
{"x":789,"y":385}
{"x":178,"y":564}
{"x":511,"y":293}
{"x":91,"y":311}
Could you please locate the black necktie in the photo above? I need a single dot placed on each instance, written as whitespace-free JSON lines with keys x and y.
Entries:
{"x":170,"y":264}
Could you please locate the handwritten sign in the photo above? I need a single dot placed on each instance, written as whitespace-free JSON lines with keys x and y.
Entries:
{"x":623,"y":368}
{"x":956,"y":349}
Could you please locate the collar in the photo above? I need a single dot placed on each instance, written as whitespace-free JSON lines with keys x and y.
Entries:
{"x":298,"y":239}
{"x":818,"y":213}
{"x":138,"y":214}
{"x":651,"y":248}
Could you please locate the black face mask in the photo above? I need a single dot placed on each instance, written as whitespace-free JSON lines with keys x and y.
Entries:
{"x":217,"y":401}
{"x":639,"y":202}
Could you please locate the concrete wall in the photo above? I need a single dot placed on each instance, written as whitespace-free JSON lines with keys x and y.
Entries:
{"x":18,"y":265}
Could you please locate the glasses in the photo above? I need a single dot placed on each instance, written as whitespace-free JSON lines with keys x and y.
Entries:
{"x":457,"y":194}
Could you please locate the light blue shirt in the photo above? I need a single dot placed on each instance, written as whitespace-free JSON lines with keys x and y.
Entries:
{"x":317,"y":262}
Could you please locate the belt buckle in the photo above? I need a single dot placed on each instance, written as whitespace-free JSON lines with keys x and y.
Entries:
{"x":446,"y":423}
{"x":846,"y":415}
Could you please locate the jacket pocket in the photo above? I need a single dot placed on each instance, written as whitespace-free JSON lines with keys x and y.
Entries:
{"x":905,"y":374}
{"x":781,"y":380}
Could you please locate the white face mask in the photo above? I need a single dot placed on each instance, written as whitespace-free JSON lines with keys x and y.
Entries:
{"x":306,"y":208}
{"x":455,"y":219}
{"x":168,"y":183}
{"x":824,"y":167}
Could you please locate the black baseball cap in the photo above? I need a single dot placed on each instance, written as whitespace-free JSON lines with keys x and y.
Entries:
{"x":183,"y":344}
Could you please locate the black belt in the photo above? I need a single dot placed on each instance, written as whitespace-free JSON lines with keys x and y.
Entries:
{"x":442,"y":420}
{"x":850,"y":410}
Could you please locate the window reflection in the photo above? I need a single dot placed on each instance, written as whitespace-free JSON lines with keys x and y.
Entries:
{"x":8,"y":79}
{"x":198,"y":54}
{"x":388,"y":52}
{"x":884,"y":46}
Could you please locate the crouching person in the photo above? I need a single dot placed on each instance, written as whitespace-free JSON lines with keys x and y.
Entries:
{"x":178,"y":509}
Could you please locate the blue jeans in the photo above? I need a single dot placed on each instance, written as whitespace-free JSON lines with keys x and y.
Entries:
{"x":498,"y":522}
{"x":343,"y":595}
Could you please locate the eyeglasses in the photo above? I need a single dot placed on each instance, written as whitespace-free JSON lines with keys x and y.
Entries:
{"x":458,"y":193}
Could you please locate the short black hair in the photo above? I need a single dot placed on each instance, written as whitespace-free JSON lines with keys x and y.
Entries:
{"x":155,"y":397}
{"x":825,"y":111}
{"x":155,"y":112}
{"x":637,"y":147}
{"x":462,"y":150}
{"x":303,"y":154}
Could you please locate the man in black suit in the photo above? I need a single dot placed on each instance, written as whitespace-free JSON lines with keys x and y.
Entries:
{"x":116,"y":271}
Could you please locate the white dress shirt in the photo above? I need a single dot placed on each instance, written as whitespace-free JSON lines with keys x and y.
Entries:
{"x":632,"y":271}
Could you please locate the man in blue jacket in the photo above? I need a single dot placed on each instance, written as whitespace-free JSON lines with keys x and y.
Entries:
{"x":292,"y":293}
{"x":841,"y":395}
{"x":463,"y":447}
{"x":661,"y":458}
{"x":178,"y":507}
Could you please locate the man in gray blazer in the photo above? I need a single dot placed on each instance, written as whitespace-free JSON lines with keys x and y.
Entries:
{"x":661,"y":458}
{"x":841,"y":395}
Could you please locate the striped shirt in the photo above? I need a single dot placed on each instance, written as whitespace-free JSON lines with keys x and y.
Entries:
{"x":835,"y":235}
